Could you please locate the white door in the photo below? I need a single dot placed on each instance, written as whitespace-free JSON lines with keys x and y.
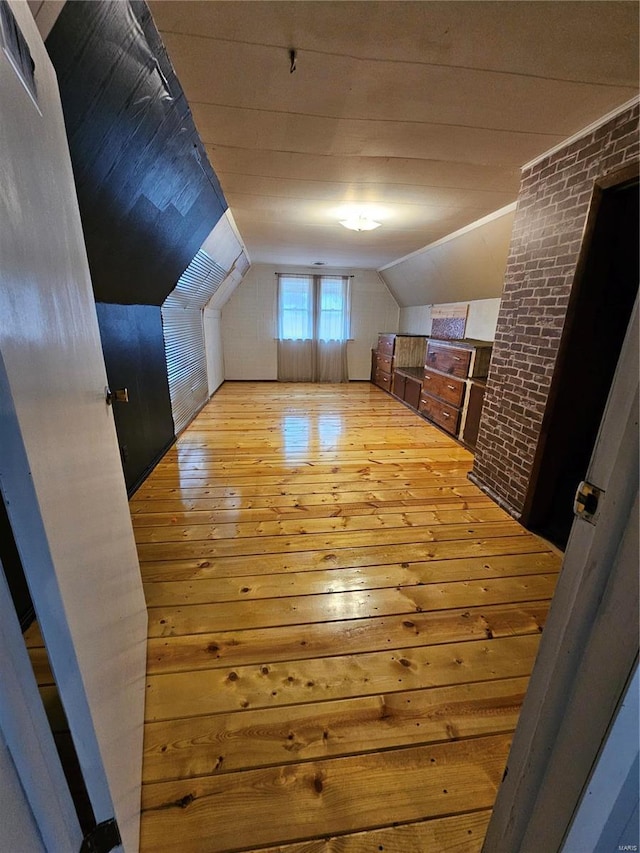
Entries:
{"x":590,"y":642}
{"x":60,"y":471}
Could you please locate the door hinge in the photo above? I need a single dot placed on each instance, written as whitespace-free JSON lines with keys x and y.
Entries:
{"x":103,"y":838}
{"x":586,"y":502}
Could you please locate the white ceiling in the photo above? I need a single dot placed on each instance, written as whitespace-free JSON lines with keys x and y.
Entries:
{"x":422,"y":112}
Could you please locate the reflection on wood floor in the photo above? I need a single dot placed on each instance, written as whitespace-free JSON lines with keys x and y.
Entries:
{"x":341,"y":629}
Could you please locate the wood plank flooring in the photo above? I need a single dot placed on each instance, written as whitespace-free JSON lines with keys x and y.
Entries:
{"x":341,"y":629}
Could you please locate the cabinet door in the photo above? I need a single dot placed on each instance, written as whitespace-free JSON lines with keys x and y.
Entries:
{"x":398,"y":385}
{"x":412,"y":390}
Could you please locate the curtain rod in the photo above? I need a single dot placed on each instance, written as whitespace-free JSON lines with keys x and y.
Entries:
{"x":334,"y":275}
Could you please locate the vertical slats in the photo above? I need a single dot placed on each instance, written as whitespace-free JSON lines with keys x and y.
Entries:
{"x":184,"y":337}
{"x":186,"y":362}
{"x":182,"y":319}
{"x":197,"y":284}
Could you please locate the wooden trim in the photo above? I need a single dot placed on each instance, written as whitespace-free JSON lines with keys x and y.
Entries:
{"x":627,"y":174}
{"x":580,"y":134}
{"x":527,"y":515}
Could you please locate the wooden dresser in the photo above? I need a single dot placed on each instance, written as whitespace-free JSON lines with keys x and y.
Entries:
{"x":453,"y":386}
{"x":393,"y":352}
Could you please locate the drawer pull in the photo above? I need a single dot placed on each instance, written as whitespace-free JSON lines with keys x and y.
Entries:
{"x":452,"y":387}
{"x":457,"y":358}
{"x":446,"y":415}
{"x":427,"y":377}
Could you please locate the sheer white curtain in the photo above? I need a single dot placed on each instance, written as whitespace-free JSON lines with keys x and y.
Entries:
{"x":313,"y":328}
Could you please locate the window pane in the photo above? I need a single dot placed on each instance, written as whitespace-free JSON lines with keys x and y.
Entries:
{"x":295,"y":309}
{"x":332,"y":322}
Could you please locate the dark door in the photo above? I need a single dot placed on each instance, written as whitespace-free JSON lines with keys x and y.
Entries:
{"x":597,"y":319}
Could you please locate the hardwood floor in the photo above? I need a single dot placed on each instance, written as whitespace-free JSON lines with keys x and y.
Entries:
{"x":341,"y":629}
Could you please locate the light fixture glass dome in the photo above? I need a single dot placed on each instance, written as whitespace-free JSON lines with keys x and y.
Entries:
{"x":360,"y":223}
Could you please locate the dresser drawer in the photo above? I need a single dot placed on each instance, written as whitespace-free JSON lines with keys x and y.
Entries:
{"x":448,"y":359}
{"x":383,"y":380}
{"x":385,"y":344}
{"x":447,"y":417}
{"x":384,"y":362}
{"x":449,"y":389}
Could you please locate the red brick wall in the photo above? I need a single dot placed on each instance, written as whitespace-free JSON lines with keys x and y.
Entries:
{"x":553,"y":205}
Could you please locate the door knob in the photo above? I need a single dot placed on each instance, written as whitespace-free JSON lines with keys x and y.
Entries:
{"x":119,"y":396}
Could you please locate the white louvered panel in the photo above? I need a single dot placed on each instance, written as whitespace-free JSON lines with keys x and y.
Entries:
{"x":186,"y":363}
{"x":197,"y":283}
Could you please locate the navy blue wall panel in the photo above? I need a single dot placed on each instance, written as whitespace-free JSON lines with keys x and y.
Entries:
{"x":133,"y":347}
{"x":147,"y":194}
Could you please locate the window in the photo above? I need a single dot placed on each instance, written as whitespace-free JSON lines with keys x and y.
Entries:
{"x":313,"y":308}
{"x":295,"y":310}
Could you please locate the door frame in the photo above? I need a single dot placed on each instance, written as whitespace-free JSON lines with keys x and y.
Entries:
{"x":617,"y":179}
{"x":589,"y":645}
{"x":27,"y":734}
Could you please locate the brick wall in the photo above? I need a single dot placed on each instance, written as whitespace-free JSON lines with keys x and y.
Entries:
{"x":553,"y":205}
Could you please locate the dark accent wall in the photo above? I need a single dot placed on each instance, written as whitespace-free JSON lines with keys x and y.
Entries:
{"x":133,"y":346}
{"x":148,"y":198}
{"x":547,"y":241}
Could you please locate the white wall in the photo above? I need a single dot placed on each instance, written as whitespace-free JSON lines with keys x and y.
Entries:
{"x":213,"y":348}
{"x":415,"y":320}
{"x":481,"y":319}
{"x":249,"y":321}
{"x":249,"y":327}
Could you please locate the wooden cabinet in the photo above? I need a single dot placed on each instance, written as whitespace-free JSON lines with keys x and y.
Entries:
{"x":407,"y":385}
{"x":396,"y":351}
{"x":453,"y":386}
{"x":443,"y":380}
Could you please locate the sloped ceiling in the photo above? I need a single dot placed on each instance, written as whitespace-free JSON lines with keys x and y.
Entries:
{"x":147,"y":194}
{"x":464,"y":266}
{"x":422,"y":112}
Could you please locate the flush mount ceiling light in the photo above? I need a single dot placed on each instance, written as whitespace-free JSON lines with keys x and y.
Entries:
{"x":360,"y":223}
